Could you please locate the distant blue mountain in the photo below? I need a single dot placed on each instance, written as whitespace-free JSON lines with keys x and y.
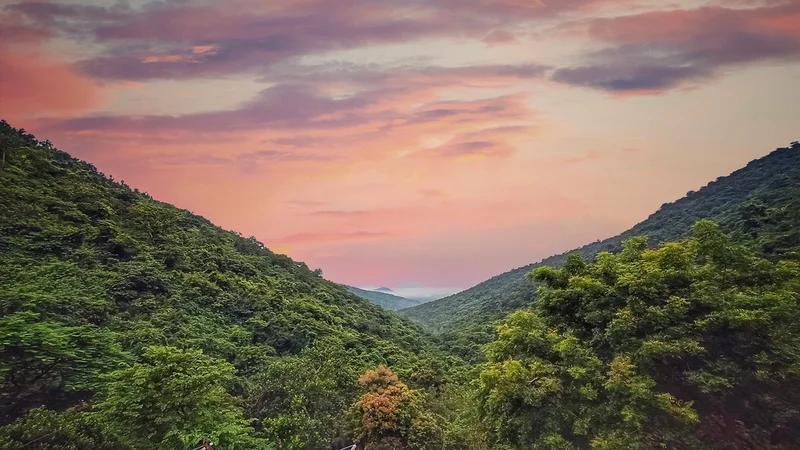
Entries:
{"x":384,"y":300}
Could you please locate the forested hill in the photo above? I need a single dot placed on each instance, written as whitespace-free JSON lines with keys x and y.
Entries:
{"x":383,"y":299}
{"x":771,"y":180}
{"x":129,"y":323}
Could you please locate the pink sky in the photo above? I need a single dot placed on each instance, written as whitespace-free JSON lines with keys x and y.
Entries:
{"x":437,"y":142}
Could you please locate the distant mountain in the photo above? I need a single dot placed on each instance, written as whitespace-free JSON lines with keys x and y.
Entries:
{"x":384,"y":300}
{"x":769,"y":182}
{"x":384,"y":289}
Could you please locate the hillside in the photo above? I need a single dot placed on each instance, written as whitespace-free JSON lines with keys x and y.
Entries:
{"x":102,"y":288}
{"x":464,"y":318}
{"x":383,"y":299}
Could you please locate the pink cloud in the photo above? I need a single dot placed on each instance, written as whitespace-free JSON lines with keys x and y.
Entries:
{"x":348,"y":236}
{"x":653,"y":52}
{"x":159,"y":40}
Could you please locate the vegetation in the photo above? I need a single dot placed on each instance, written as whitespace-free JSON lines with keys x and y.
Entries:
{"x":104,"y":290}
{"x":384,"y":300}
{"x":762,"y":197}
{"x":390,"y":415}
{"x":692,"y":345}
{"x":126,"y":323}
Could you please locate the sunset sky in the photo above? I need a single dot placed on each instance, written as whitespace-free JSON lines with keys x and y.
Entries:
{"x":437,"y":142}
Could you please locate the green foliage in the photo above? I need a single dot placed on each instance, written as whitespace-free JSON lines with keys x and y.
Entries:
{"x":173,"y":400}
{"x":93,"y":274}
{"x":46,"y":363}
{"x":45,"y":429}
{"x":691,"y":345}
{"x":302,"y":398}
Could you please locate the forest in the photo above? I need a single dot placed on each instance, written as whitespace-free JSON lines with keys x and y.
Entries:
{"x":128,"y":323}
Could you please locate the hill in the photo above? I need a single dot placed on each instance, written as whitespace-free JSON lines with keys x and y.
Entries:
{"x":384,"y":299}
{"x":126,"y":322}
{"x":772,"y":181}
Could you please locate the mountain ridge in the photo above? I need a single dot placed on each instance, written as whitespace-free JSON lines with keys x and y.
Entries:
{"x":490,"y":300}
{"x":98,"y":279}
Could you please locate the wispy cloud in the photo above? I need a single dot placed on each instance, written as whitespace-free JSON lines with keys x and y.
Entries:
{"x":656,"y":51}
{"x":310,"y":238}
{"x":336,"y":213}
{"x":276,"y":155}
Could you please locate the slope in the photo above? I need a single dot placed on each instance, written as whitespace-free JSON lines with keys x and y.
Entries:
{"x":463,"y":318}
{"x":96,"y":276}
{"x":383,"y":299}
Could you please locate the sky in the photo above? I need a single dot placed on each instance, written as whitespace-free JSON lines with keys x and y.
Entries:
{"x":428,"y":142}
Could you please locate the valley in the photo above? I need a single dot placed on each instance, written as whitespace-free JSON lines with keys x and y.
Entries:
{"x":128,"y":323}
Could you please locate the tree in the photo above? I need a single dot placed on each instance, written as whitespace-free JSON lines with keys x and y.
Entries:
{"x":45,"y":363}
{"x":300,"y":398}
{"x":174,"y":399}
{"x":45,"y":429}
{"x":390,"y":416}
{"x":691,"y":345}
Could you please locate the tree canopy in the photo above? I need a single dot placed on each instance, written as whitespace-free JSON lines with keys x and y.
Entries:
{"x":690,"y":345}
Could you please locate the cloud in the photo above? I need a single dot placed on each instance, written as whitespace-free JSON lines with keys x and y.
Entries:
{"x":482,"y":144}
{"x":275,"y":155}
{"x":283,"y":106}
{"x":14,"y":29}
{"x":354,"y":75}
{"x":433,"y":193}
{"x":347,"y":236}
{"x":594,"y":155}
{"x":648,"y":52}
{"x":496,"y":37}
{"x":244,"y":161}
{"x":302,"y":204}
{"x":336,"y":213}
{"x":657,"y":51}
{"x":300,"y":122}
{"x":473,"y":150}
{"x":159,"y":40}
{"x":246,"y":34}
{"x":633,"y":74}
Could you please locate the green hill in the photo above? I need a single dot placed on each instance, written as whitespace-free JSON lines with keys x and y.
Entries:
{"x":772,"y":181}
{"x":383,"y":299}
{"x":129,"y":323}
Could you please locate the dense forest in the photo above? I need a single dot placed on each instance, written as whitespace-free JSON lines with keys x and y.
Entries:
{"x":127,"y":323}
